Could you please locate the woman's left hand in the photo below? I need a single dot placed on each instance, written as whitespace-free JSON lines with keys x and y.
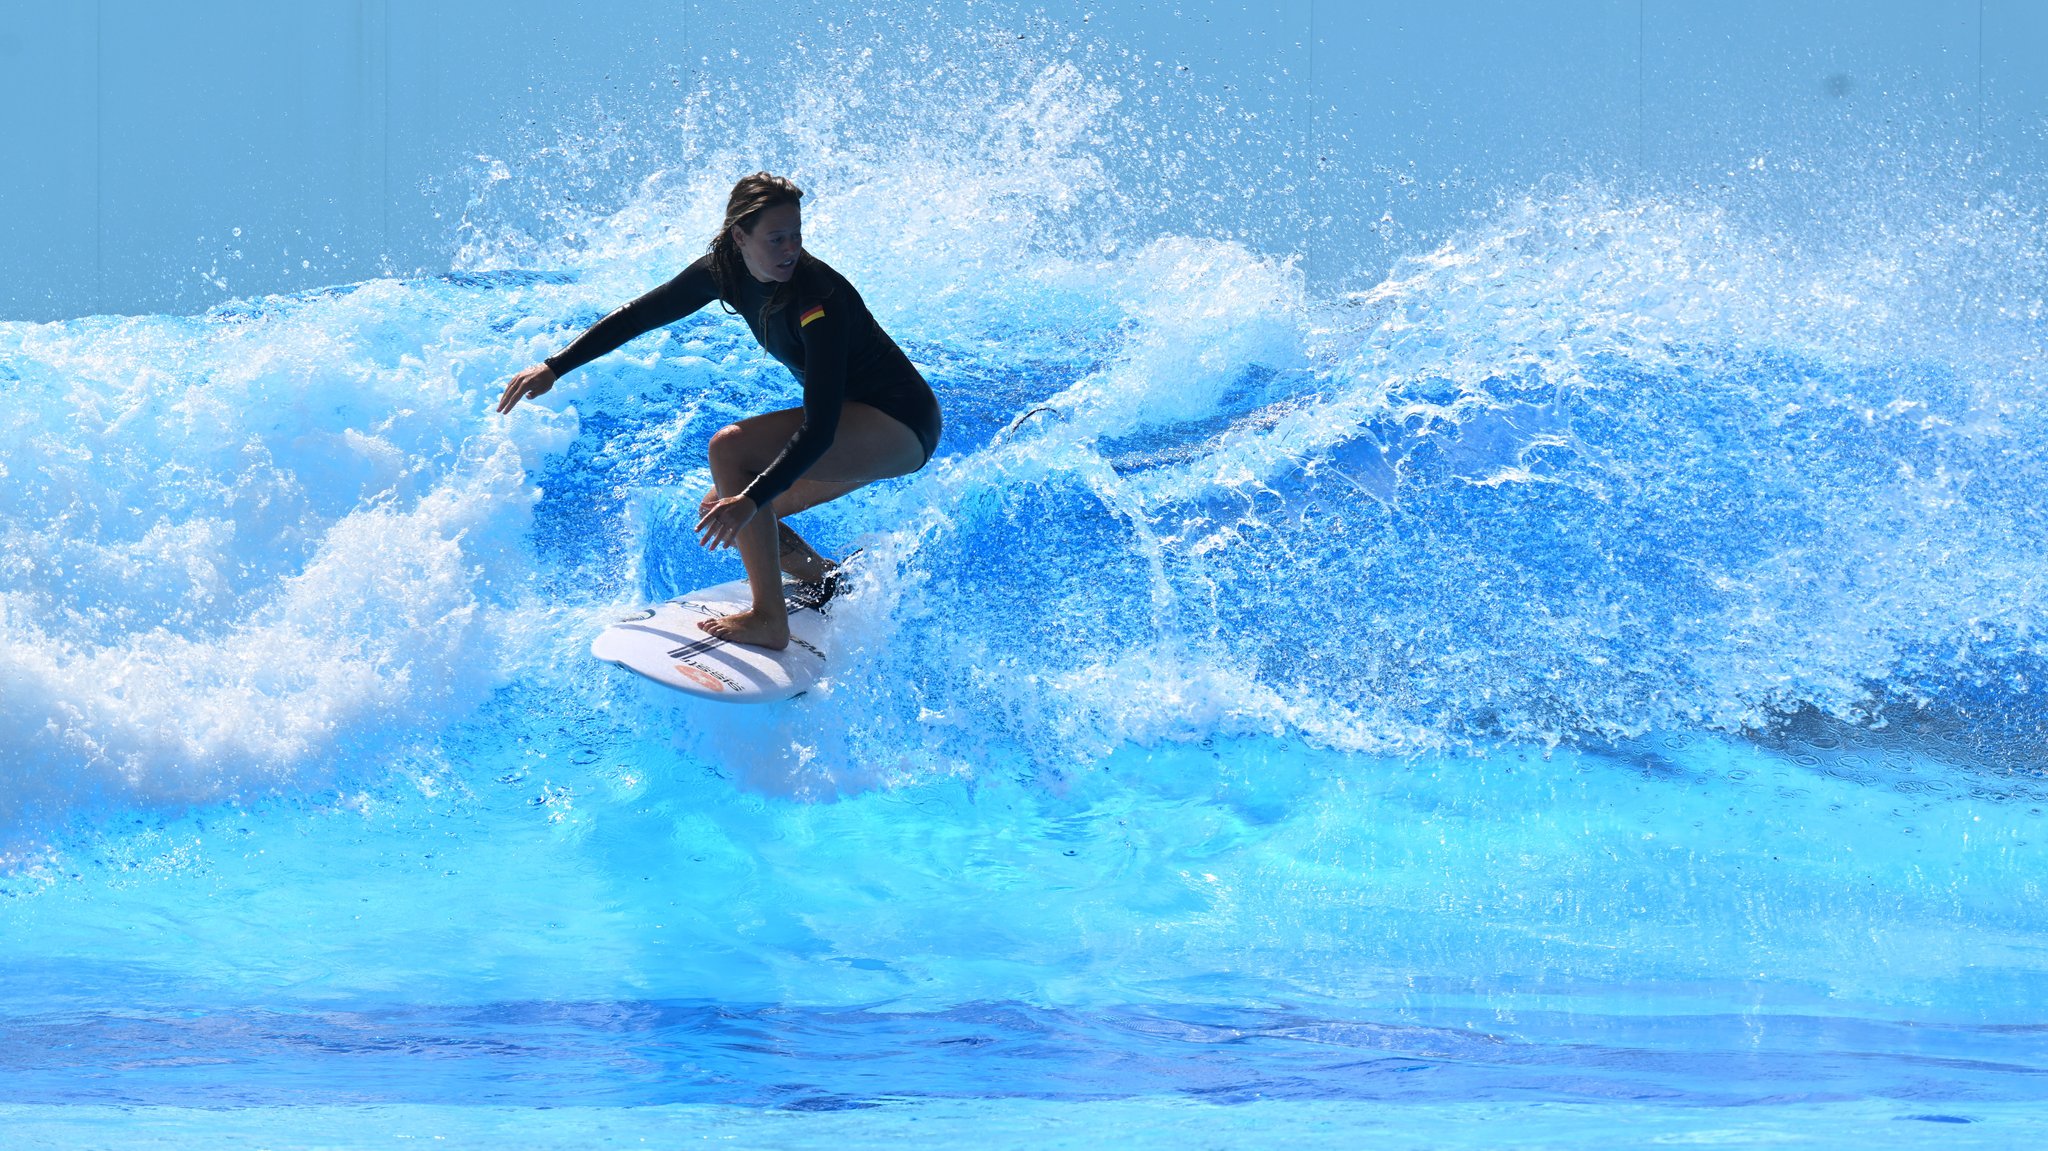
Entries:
{"x":721,"y":522}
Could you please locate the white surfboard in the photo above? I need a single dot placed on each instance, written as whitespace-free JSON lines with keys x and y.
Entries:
{"x":665,"y":644}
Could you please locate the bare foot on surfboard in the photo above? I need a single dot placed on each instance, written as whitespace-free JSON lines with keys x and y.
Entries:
{"x":748,"y":628}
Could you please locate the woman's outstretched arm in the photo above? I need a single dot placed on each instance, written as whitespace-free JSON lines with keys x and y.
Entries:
{"x":692,"y":288}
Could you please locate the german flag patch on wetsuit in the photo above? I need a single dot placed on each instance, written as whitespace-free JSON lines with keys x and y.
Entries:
{"x":814,"y":312}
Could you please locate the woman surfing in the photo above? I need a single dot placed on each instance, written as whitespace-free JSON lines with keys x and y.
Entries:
{"x":867,"y":414}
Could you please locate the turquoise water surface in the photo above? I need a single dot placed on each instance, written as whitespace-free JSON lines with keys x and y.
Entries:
{"x":1581,"y":688}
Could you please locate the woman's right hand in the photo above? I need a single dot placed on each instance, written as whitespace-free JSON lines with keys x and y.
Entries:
{"x":532,"y":382}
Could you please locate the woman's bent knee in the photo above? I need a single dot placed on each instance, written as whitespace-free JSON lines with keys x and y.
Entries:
{"x":726,"y":439}
{"x":754,"y":442}
{"x":732,"y":447}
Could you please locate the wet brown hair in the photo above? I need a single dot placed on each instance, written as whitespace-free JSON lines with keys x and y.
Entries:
{"x":750,"y":197}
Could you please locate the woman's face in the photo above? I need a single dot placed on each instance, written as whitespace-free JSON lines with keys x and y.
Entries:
{"x":771,"y":249}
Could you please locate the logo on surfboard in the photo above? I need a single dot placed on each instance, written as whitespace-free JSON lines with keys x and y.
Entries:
{"x":709,"y":681}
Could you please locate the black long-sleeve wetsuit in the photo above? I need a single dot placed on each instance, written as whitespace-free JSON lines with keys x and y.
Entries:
{"x":824,"y":335}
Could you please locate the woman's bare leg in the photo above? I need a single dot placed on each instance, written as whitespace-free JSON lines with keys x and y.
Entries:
{"x":869,"y":446}
{"x":800,"y":560}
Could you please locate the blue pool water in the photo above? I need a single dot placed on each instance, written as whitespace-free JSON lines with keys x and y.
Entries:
{"x":1587,"y":682}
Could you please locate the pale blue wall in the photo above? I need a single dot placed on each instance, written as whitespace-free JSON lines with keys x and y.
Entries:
{"x":139,"y":133}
